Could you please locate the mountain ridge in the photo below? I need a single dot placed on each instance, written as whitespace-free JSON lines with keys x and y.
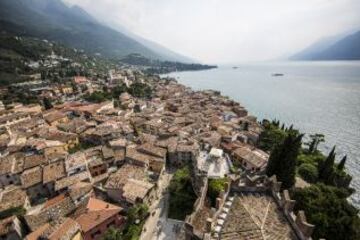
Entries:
{"x":70,"y":25}
{"x":341,"y":47}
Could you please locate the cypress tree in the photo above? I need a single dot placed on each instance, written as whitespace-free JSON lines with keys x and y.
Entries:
{"x":326,"y":169}
{"x":341,"y":165}
{"x":282,"y":161}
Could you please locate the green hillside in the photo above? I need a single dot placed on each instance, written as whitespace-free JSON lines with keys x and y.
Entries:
{"x":55,"y":21}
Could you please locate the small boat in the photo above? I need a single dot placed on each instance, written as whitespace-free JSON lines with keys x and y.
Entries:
{"x":277,"y":74}
{"x":235,"y":67}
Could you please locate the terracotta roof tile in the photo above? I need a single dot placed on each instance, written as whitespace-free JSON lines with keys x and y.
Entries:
{"x":97,"y":212}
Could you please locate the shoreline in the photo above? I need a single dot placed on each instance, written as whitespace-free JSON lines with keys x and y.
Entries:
{"x":324,"y":148}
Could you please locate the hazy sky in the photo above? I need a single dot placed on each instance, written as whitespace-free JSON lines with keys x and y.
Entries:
{"x":229,"y":31}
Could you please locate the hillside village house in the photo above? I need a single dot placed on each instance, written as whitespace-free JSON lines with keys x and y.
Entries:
{"x":157,"y":156}
{"x":136,"y":155}
{"x":66,"y":183}
{"x":8,"y":173}
{"x":71,"y":140}
{"x":14,"y":118}
{"x":184,"y":153}
{"x":31,"y":182}
{"x":98,"y":217}
{"x":13,"y":197}
{"x":79,"y":80}
{"x":75,"y":163}
{"x":62,"y":228}
{"x":129,"y":185}
{"x":54,"y":118}
{"x":98,"y":170}
{"x":250,"y":158}
{"x":51,"y":173}
{"x":47,"y":147}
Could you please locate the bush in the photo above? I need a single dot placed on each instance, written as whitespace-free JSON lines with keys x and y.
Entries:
{"x":308,"y":172}
{"x":314,"y":158}
{"x":215,"y":186}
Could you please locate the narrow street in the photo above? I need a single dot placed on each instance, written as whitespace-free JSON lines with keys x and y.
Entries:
{"x":157,"y":210}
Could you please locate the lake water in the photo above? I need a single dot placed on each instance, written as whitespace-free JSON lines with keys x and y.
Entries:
{"x":317,"y":97}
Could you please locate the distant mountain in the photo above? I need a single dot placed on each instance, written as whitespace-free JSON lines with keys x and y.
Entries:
{"x":168,"y":54}
{"x":53,"y":20}
{"x":332,"y":48}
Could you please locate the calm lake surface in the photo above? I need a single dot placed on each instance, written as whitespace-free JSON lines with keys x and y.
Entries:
{"x":317,"y":97}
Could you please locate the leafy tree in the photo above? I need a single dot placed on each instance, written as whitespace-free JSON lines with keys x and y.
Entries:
{"x":282,"y":160}
{"x":316,"y":139}
{"x":215,"y":186}
{"x":47,"y":104}
{"x":328,"y":209}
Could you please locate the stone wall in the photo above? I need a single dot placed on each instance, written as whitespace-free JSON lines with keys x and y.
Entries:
{"x":247,"y":183}
{"x":190,"y":231}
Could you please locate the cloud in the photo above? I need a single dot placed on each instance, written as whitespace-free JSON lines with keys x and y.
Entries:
{"x":229,"y":30}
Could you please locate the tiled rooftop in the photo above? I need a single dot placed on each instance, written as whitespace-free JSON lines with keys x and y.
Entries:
{"x":31,"y":177}
{"x":123,"y":174}
{"x":136,"y":189}
{"x":97,"y":211}
{"x":53,"y":171}
{"x":75,"y":160}
{"x":255,"y":216}
{"x":14,"y":197}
